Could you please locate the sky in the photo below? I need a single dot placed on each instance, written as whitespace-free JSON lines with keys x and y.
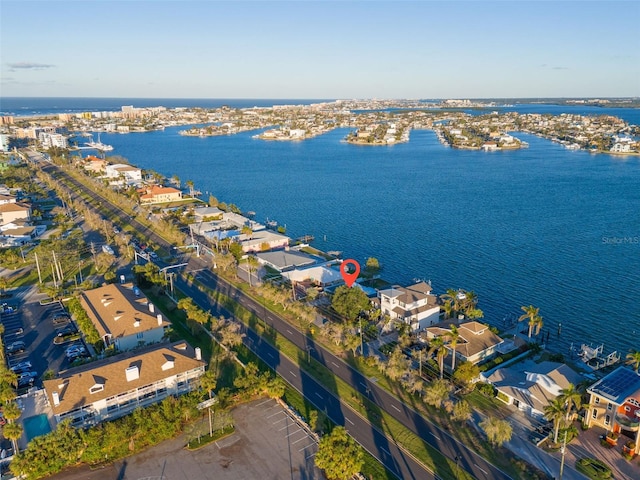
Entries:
{"x":329,"y":49}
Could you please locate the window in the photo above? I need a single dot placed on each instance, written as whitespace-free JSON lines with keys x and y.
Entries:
{"x":594,"y":414}
{"x":627,"y":408}
{"x":139,"y":335}
{"x":607,"y":419}
{"x":597,"y":400}
{"x":609,"y":406}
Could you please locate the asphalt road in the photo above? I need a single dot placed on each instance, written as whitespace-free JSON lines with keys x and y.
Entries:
{"x":382,"y":446}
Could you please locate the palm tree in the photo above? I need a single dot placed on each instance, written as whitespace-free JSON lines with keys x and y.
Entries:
{"x":555,"y":412}
{"x":633,"y":358}
{"x":570,"y":397}
{"x":190,"y":185}
{"x":454,"y":295}
{"x":437,"y":346}
{"x":447,"y":306}
{"x":531,"y":313}
{"x":13,"y":431}
{"x":453,"y":341}
{"x":470,"y":301}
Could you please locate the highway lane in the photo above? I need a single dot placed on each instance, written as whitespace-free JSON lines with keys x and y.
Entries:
{"x":394,"y":458}
{"x":410,"y":418}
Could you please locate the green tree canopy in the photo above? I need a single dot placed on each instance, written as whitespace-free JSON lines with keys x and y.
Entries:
{"x":498,"y":431}
{"x":339,"y":455}
{"x":349,"y":302}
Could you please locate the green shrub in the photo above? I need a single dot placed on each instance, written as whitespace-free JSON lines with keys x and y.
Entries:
{"x":594,"y":469}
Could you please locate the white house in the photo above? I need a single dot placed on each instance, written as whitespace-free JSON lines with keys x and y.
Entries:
{"x":115,"y":386}
{"x":413,"y":305}
{"x":123,"y":172}
{"x":123,"y":316}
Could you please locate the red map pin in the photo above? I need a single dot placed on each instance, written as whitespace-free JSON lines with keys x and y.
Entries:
{"x":349,"y":278}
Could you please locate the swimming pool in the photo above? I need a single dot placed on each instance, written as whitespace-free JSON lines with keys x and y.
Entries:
{"x":36,"y":426}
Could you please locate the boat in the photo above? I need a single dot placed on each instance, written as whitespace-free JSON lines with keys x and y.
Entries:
{"x":99,"y":145}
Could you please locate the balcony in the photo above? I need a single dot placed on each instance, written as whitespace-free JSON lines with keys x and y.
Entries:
{"x":628,"y":423}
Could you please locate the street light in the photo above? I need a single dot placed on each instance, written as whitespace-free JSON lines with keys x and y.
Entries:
{"x":564,"y":449}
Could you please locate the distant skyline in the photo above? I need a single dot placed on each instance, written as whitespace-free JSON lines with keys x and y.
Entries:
{"x":329,"y":49}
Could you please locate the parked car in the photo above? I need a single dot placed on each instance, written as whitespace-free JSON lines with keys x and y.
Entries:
{"x":61,"y":319}
{"x":27,"y":379}
{"x":68,"y":330}
{"x":21,"y":367}
{"x":72,"y":358}
{"x":108,"y":249}
{"x":74,"y":349}
{"x":16,"y":347}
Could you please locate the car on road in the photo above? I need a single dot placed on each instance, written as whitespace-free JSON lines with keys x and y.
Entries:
{"x":27,"y":379}
{"x":21,"y":367}
{"x":153,"y":255}
{"x":16,"y":347}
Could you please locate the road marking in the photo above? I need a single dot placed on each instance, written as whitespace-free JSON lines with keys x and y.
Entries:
{"x":393,"y":406}
{"x":335,"y":364}
{"x":481,"y":469}
{"x":307,"y":458}
{"x":293,"y":374}
{"x":283,"y":428}
{"x":303,"y":438}
{"x":319,"y":395}
{"x":266,"y":401}
{"x":385,"y":451}
{"x":293,"y":433}
{"x":290,"y":332}
{"x":270,"y":354}
{"x":435,"y":435}
{"x":349,"y":421}
{"x":363,"y":384}
{"x":274,"y":414}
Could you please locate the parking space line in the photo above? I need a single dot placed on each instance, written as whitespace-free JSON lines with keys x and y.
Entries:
{"x":266,"y":401}
{"x":293,"y":433}
{"x":303,"y":438}
{"x":274,"y":414}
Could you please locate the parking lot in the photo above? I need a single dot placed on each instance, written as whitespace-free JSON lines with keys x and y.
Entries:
{"x":268,"y":443}
{"x":29,"y":335}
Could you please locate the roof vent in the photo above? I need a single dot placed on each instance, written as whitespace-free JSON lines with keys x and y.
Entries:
{"x":159,"y":317}
{"x":132,"y":373}
{"x":117,"y":317}
{"x":151,"y":307}
{"x":198,"y":353}
{"x":136,"y":323}
{"x":56,"y":398}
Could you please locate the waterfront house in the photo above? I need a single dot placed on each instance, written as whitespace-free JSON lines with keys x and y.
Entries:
{"x":614,"y":404}
{"x":123,"y":316}
{"x":123,"y":173}
{"x":414,"y":305}
{"x":285,"y":260}
{"x":531,"y":386}
{"x":159,"y":194}
{"x":95,"y":164}
{"x":115,"y":386}
{"x":476,"y":341}
{"x":262,"y":240}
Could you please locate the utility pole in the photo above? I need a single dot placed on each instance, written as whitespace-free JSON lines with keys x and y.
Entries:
{"x":55,"y":283}
{"x":564,"y":449}
{"x":58,"y":267}
{"x":38,"y":267}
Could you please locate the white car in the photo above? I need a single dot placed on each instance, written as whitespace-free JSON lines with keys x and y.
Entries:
{"x":108,"y":249}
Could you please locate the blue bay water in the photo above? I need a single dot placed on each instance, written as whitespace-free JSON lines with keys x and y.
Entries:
{"x":535,"y":226}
